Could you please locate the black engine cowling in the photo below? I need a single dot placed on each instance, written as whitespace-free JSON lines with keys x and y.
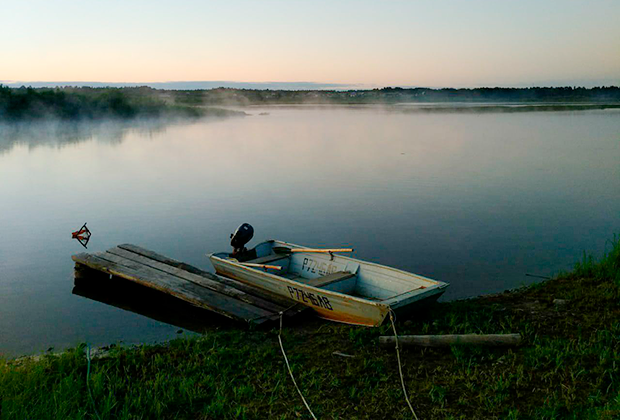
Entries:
{"x":242,"y":236}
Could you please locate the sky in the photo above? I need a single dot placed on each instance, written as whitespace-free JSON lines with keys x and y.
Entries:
{"x":440,"y":43}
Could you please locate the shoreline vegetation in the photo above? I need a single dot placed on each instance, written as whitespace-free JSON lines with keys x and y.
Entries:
{"x":568,"y":365}
{"x":75,"y":103}
{"x":70,"y":104}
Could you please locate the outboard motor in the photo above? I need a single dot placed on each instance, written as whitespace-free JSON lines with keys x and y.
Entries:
{"x":242,"y":236}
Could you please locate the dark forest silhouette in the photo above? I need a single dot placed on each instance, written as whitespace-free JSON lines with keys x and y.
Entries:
{"x":71,"y":103}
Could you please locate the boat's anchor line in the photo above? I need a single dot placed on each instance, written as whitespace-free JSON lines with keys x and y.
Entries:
{"x":400,"y":368}
{"x":289,"y":367}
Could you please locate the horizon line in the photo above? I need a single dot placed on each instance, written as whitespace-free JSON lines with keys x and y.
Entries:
{"x":216,"y":84}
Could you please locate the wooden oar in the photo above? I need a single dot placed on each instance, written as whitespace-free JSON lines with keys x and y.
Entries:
{"x":265,"y":266}
{"x":286,"y":250}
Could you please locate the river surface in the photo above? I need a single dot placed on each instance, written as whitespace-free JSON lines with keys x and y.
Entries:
{"x":473,"y":199}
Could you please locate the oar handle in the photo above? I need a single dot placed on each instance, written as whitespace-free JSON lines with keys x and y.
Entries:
{"x":322,"y":250}
{"x":273,"y":267}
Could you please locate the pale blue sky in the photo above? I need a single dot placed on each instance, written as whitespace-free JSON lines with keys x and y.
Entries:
{"x":374,"y":43}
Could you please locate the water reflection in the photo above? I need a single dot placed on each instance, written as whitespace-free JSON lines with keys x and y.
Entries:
{"x":141,"y":300}
{"x":476,"y":200}
{"x":58,"y":134}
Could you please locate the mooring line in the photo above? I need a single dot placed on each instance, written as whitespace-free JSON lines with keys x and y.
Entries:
{"x":400,"y":369}
{"x":270,"y":315}
{"x":289,"y":368}
{"x":90,"y":394}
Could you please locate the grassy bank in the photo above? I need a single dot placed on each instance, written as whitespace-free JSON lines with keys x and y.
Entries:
{"x":567,"y":367}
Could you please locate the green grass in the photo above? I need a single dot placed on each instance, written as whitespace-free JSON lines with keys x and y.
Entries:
{"x":567,"y":368}
{"x":608,"y":267}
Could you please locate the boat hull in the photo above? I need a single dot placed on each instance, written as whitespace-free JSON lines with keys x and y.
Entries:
{"x":327,"y":304}
{"x":358,"y":292}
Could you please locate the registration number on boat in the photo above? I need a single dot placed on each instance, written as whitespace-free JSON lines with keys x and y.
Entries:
{"x":309,"y":297}
{"x":322,"y":268}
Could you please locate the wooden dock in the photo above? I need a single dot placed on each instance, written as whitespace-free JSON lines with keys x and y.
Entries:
{"x":222,"y":295}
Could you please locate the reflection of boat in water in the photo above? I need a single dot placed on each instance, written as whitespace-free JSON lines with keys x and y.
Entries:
{"x":338,"y":288}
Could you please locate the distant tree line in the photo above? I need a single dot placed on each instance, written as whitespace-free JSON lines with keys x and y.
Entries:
{"x":388,"y":95}
{"x":83,"y":103}
{"x":533,"y":94}
{"x":131,"y":102}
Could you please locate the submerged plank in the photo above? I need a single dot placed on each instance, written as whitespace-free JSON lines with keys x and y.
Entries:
{"x":197,"y":295}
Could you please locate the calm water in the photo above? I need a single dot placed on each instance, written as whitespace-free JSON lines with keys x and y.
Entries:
{"x":476,"y":200}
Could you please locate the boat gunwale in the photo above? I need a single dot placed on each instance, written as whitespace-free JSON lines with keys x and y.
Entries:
{"x":411,"y":296}
{"x":417,"y":276}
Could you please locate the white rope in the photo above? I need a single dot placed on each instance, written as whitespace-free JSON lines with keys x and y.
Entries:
{"x":400,"y":369}
{"x":90,"y":394}
{"x":271,"y":314}
{"x":289,"y":368}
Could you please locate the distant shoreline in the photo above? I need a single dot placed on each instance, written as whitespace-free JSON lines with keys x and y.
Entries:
{"x":454,"y":107}
{"x":27,"y":103}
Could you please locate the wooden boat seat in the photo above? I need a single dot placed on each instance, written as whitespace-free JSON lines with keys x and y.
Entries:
{"x":267,"y":259}
{"x":330,"y":278}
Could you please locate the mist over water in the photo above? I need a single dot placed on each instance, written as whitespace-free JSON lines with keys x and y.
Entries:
{"x":476,"y":200}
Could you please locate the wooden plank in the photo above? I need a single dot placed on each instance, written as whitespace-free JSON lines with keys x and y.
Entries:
{"x":199,"y":280}
{"x":489,"y":340}
{"x":167,"y":260}
{"x":190,"y":292}
{"x":329,"y":279}
{"x":266,"y":259}
{"x":279,"y":300}
{"x":207,"y":296}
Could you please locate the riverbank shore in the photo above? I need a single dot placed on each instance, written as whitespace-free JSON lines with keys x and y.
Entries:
{"x":568,"y":365}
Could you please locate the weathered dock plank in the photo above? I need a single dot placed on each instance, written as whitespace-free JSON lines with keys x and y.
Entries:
{"x":207,"y":282}
{"x":281,"y":301}
{"x":180,"y":287}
